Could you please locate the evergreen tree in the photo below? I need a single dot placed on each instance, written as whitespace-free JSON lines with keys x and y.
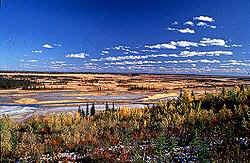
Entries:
{"x":113,"y":108}
{"x":181,"y":93}
{"x":92,"y":111}
{"x":192,"y":93}
{"x":223,"y":92}
{"x":82,"y":113}
{"x":107,"y":107}
{"x":79,"y":110}
{"x":87,"y":109}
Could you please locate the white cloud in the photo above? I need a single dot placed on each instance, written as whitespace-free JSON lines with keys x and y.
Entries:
{"x":134,"y":63}
{"x":37,"y":51}
{"x":57,"y":62}
{"x":187,"y":44}
{"x":79,"y":55}
{"x":237,"y":46}
{"x":48,"y":46}
{"x":161,"y":46}
{"x":204,"y":18}
{"x":202,"y":24}
{"x":125,"y":49}
{"x":235,"y":63}
{"x":119,"y":58}
{"x":173,"y":55}
{"x":233,"y":60}
{"x":186,"y":30}
{"x":32,"y":61}
{"x":58,"y":45}
{"x":120,"y":47}
{"x":215,"y":42}
{"x":105,"y":52}
{"x":95,"y":60}
{"x":209,"y":61}
{"x":149,"y":50}
{"x":184,"y":43}
{"x":175,"y":23}
{"x":175,"y":62}
{"x":189,"y":23}
{"x":206,"y":53}
{"x":133,"y":57}
{"x":193,"y":61}
{"x":188,"y":61}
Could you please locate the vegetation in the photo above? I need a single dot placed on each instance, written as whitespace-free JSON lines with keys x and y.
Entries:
{"x":142,"y":87}
{"x":31,"y":82}
{"x":7,"y":83}
{"x":209,"y":128}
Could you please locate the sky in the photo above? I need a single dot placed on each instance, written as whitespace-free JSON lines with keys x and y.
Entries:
{"x":132,"y":36}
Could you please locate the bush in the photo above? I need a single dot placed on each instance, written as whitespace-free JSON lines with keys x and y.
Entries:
{"x":207,"y":129}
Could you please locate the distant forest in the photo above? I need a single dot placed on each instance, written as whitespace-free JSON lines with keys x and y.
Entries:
{"x":8,"y":83}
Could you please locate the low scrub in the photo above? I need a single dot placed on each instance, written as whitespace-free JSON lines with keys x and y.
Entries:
{"x":210,"y":128}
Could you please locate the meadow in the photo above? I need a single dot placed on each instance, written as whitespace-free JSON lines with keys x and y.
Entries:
{"x":211,"y":127}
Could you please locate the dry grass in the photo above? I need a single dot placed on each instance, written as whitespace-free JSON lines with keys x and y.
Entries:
{"x":27,"y":101}
{"x":160,"y":96}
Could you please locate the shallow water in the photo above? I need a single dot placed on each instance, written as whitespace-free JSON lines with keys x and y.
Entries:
{"x":31,"y":109}
{"x":4,"y":99}
{"x":26,"y":111}
{"x":16,"y":110}
{"x":122,"y":97}
{"x":54,"y":96}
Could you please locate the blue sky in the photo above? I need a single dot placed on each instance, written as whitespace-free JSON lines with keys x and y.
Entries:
{"x":160,"y":36}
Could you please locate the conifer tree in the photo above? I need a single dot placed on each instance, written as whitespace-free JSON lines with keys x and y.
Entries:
{"x":113,"y":108}
{"x":107,"y":107}
{"x":87,"y":109}
{"x":92,"y":111}
{"x":82,"y":113}
{"x":223,"y":92}
{"x":79,"y":110}
{"x":181,"y":93}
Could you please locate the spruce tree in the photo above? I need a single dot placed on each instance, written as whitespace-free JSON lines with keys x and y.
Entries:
{"x":181,"y":93}
{"x":87,"y":109}
{"x":79,"y":110}
{"x":223,"y":92}
{"x":107,"y":107}
{"x":82,"y":113}
{"x":192,"y":93}
{"x":92,"y":111}
{"x":113,"y":108}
